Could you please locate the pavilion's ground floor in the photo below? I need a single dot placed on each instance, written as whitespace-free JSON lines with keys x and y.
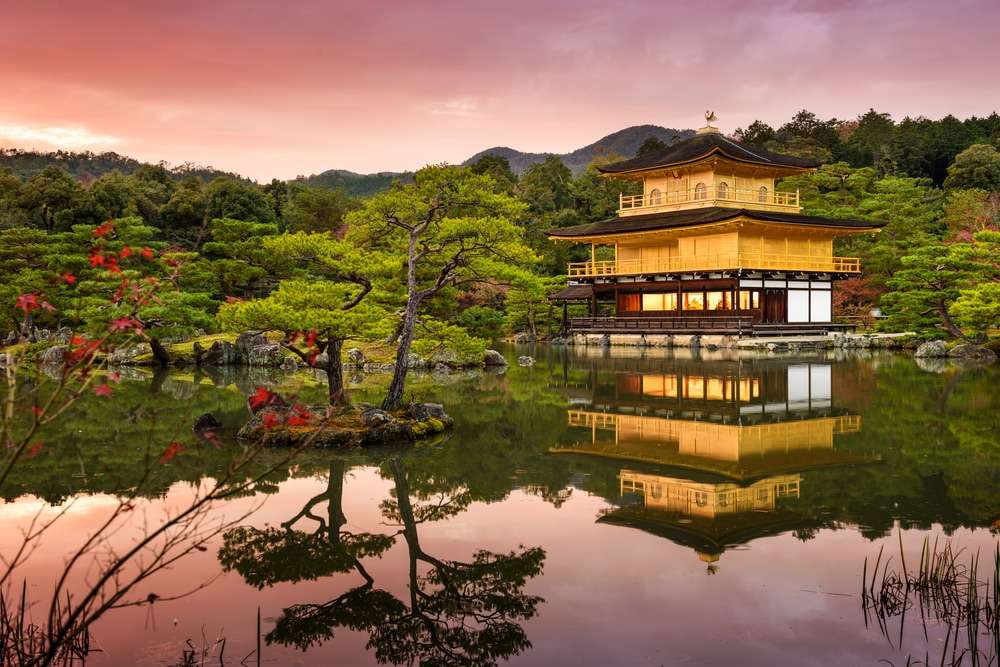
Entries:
{"x":754,"y":304}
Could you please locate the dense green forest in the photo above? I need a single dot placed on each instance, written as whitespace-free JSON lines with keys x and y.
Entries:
{"x":935,"y":183}
{"x":87,"y":166}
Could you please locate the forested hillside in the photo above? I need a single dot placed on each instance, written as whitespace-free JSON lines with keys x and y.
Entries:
{"x":87,"y":166}
{"x":357,"y":185}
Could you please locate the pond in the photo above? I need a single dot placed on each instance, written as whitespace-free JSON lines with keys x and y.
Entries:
{"x":618,"y":506}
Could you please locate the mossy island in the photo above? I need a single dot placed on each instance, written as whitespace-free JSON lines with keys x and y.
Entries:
{"x":275,"y":424}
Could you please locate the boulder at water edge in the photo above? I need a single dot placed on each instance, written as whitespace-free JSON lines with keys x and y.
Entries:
{"x":933,"y":348}
{"x":970,"y":352}
{"x":494,"y":358}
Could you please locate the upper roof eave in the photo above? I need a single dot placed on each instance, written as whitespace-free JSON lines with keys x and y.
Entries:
{"x":703,"y":146}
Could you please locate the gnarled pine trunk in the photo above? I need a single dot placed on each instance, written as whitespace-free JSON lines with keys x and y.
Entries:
{"x":949,"y":324}
{"x":394,"y":397}
{"x":335,"y":372}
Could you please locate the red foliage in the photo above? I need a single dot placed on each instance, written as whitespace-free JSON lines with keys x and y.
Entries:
{"x":260,"y":398}
{"x":34,"y":449}
{"x":126,"y":324}
{"x":311,"y":338}
{"x":300,"y":416}
{"x":69,"y":278}
{"x":37,"y":410}
{"x":102,"y":390}
{"x":125,"y":252}
{"x":96,"y":259}
{"x":31,"y":302}
{"x":81,"y":349}
{"x":172,"y":450}
{"x":27,"y":302}
{"x":271,"y":419}
{"x":854,"y":296}
{"x":104,"y":230}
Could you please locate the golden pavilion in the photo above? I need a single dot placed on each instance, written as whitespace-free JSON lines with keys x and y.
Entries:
{"x":713,"y":244}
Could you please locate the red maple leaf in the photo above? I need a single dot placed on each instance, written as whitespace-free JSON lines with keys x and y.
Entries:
{"x":125,"y":252}
{"x":260,"y":397}
{"x":111,"y":264}
{"x":300,"y":416}
{"x":115,"y":376}
{"x":27,"y":302}
{"x":34,"y":449}
{"x":96,"y":259}
{"x":172,"y":450}
{"x":126,"y":324}
{"x":311,"y":338}
{"x":147,"y":253}
{"x":102,"y":390}
{"x":271,"y":420}
{"x":104,"y":229}
{"x":37,"y":410}
{"x":69,"y":278}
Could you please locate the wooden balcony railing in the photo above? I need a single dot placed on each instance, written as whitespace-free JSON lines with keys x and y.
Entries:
{"x":729,"y":261}
{"x":708,"y":196}
{"x":719,"y":324}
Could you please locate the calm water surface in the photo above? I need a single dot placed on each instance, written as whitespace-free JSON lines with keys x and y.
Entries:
{"x":602,"y":507}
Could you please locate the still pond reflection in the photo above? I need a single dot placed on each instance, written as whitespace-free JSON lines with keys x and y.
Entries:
{"x":602,"y":507}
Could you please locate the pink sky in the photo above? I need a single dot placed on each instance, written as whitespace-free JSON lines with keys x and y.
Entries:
{"x":276,"y":89}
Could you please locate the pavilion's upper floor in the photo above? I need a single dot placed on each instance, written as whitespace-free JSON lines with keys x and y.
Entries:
{"x":709,"y":170}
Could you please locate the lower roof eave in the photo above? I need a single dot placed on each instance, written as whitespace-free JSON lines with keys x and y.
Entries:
{"x":637,"y":225}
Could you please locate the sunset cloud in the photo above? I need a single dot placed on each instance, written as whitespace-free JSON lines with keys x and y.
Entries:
{"x":456,"y":107}
{"x":275,"y":90}
{"x":59,"y":137}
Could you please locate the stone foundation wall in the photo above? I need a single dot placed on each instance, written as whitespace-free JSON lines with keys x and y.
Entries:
{"x":771,"y":343}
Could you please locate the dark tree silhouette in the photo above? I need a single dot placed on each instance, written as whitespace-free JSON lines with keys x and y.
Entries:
{"x":458,"y":613}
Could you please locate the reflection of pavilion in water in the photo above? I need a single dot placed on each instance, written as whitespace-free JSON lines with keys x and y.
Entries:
{"x":739,"y":434}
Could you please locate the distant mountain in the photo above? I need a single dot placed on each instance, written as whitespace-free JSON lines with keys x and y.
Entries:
{"x":87,"y":166}
{"x":358,"y":185}
{"x":623,"y":142}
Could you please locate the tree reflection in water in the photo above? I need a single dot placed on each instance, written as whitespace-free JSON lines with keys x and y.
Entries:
{"x":458,"y":612}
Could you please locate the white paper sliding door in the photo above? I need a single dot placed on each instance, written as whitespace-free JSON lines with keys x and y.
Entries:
{"x":820,"y":307}
{"x":798,"y":305}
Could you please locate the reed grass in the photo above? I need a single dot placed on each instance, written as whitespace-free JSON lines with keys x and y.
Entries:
{"x":949,"y":588}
